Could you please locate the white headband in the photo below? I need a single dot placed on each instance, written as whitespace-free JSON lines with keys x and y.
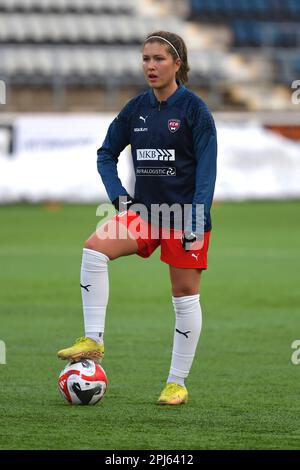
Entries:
{"x":163,"y":39}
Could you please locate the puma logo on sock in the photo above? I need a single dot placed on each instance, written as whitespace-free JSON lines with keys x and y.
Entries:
{"x":86,"y":287}
{"x":183,"y":333}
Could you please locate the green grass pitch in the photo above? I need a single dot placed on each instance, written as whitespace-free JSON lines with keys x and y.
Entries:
{"x":244,"y":390}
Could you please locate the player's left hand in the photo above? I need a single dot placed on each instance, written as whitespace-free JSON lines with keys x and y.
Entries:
{"x":123,"y":203}
{"x":192,"y":241}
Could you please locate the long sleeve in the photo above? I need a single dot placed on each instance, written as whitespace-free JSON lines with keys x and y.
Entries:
{"x":206,"y":154}
{"x":205,"y":148}
{"x":117,"y":138}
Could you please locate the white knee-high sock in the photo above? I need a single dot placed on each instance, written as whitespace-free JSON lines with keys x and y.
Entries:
{"x":94,"y":289}
{"x":186,"y":335}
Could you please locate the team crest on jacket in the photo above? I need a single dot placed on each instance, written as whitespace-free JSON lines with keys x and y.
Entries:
{"x":173,"y":125}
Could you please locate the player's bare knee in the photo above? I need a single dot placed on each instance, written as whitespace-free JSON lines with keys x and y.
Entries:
{"x":90,"y":244}
{"x":96,"y":245}
{"x":107,"y":247}
{"x":182,"y":291}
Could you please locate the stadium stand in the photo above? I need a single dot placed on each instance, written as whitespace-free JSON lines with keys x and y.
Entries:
{"x":220,"y":10}
{"x":63,"y":6}
{"x":259,"y":33}
{"x":269,"y":27}
{"x":237,"y":49}
{"x":71,"y":28}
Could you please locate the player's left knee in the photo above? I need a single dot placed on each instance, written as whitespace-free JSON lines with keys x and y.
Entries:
{"x":182,"y":291}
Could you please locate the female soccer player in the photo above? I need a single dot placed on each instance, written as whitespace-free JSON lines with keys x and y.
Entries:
{"x":174,"y":148}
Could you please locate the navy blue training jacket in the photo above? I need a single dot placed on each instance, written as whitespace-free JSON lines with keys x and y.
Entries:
{"x":173,"y":146}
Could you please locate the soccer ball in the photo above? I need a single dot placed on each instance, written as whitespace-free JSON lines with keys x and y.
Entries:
{"x":83,"y":383}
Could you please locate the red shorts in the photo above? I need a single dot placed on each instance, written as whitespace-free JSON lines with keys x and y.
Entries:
{"x":149,"y":238}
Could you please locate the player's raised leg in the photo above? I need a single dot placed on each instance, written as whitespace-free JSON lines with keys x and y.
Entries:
{"x":188,"y":322}
{"x":108,"y":243}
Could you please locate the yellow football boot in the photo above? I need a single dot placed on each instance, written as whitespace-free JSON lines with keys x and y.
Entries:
{"x":173,"y":394}
{"x":83,"y":348}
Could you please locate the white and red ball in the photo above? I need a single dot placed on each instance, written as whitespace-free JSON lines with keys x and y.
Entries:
{"x":83,"y":383}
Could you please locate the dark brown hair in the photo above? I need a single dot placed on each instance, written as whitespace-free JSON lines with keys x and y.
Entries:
{"x":179,"y":45}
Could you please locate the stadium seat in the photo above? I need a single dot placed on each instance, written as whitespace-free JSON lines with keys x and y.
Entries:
{"x":73,"y":28}
{"x":64,"y":6}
